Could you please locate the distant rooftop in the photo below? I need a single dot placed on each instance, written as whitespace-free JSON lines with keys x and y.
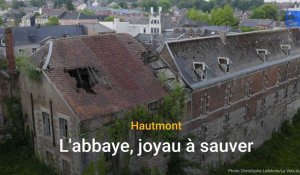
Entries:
{"x":76,"y":15}
{"x":255,"y":22}
{"x":34,"y":35}
{"x":138,"y":20}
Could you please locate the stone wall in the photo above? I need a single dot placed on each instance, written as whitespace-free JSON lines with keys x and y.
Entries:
{"x":245,"y":109}
{"x":41,"y":96}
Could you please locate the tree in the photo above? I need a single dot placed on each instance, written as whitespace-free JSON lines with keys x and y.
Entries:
{"x":197,"y":15}
{"x":37,"y":3}
{"x":165,"y":4}
{"x":134,"y":5}
{"x":109,"y":18}
{"x":70,"y":5}
{"x":147,"y":4}
{"x":223,"y":16}
{"x":116,"y":6}
{"x":3,"y":4}
{"x":17,"y":4}
{"x":52,"y":21}
{"x":88,"y":12}
{"x":123,"y":5}
{"x":266,"y":11}
{"x":1,"y":21}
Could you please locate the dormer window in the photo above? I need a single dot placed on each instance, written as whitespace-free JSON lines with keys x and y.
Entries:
{"x":224,"y":64}
{"x":200,"y":70}
{"x":262,"y":54}
{"x":286,"y":48}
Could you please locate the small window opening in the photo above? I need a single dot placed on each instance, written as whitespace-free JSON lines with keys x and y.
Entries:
{"x":224,"y":64}
{"x":286,"y":48}
{"x":200,"y":70}
{"x":262,"y":54}
{"x":227,"y":118}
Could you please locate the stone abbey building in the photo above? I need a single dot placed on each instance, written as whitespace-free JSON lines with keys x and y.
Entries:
{"x":243,"y":86}
{"x":239,"y":88}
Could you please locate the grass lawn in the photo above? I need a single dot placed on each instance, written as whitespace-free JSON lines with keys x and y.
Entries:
{"x":282,"y":151}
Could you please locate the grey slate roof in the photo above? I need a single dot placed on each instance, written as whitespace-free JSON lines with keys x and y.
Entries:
{"x":34,"y":35}
{"x":99,"y":28}
{"x":185,"y":22}
{"x":54,"y":12}
{"x":76,"y":15}
{"x":255,"y":22}
{"x":239,"y":48}
{"x":138,"y":20}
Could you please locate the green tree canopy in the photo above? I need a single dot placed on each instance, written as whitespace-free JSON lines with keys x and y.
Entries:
{"x":123,"y":5}
{"x":207,"y":6}
{"x":109,"y":18}
{"x":3,"y":4}
{"x":165,"y":4}
{"x":219,"y":16}
{"x":52,"y":21}
{"x":88,"y":12}
{"x":68,"y":3}
{"x":17,"y":4}
{"x":38,"y":3}
{"x":223,"y":16}
{"x":266,"y":11}
{"x":197,"y":15}
{"x":116,"y":6}
{"x":1,"y":21}
{"x":147,"y":4}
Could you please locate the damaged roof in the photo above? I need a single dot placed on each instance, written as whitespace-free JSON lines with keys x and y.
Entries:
{"x":124,"y":81}
{"x":240,"y":49}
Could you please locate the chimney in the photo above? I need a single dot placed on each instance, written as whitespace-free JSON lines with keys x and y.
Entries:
{"x":152,"y":10}
{"x":9,"y":47}
{"x":159,"y":10}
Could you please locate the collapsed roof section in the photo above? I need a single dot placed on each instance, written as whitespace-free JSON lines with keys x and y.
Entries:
{"x":100,"y":74}
{"x":239,"y":52}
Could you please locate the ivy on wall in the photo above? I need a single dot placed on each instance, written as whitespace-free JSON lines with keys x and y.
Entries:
{"x":170,"y":111}
{"x":25,"y":65}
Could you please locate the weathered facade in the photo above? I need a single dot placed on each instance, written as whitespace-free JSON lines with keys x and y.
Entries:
{"x":86,"y":82}
{"x":240,"y":88}
{"x":243,"y":86}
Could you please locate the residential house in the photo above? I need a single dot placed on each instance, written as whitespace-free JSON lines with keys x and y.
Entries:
{"x":263,"y":24}
{"x":28,"y":40}
{"x":86,"y":83}
{"x":95,"y":29}
{"x":31,"y":19}
{"x":75,"y":17}
{"x":155,"y":23}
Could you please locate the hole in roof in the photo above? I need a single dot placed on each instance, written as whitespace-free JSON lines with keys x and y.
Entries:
{"x":130,"y":42}
{"x":87,"y":78}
